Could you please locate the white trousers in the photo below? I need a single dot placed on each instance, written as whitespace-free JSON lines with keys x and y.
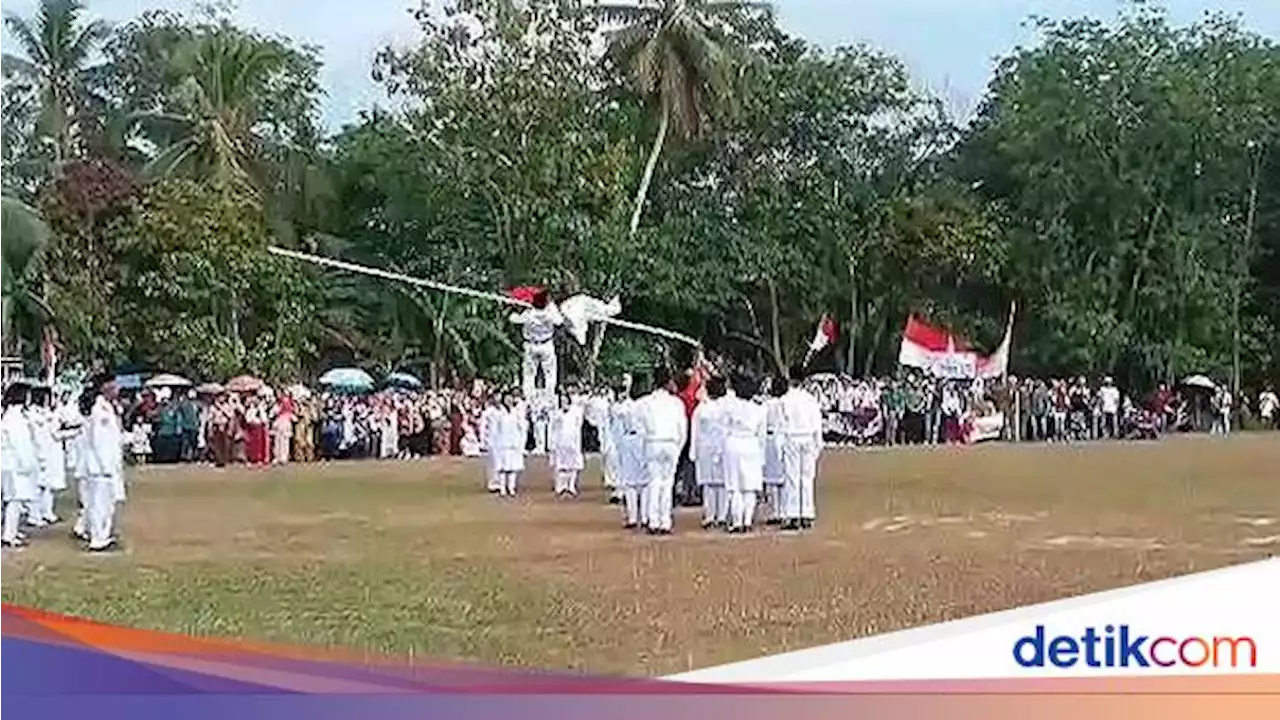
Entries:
{"x":567,"y":481}
{"x":538,"y":356}
{"x":493,"y":483}
{"x":799,"y":472}
{"x":715,"y":505}
{"x":14,"y":511}
{"x":633,"y":504}
{"x":742,"y":508}
{"x":773,"y":498}
{"x":81,"y":528}
{"x":100,"y":511}
{"x":661,"y":460}
{"x":42,"y":510}
{"x":280,"y":439}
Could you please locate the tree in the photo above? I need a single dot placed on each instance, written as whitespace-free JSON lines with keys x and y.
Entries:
{"x":58,"y":46}
{"x":26,"y":235}
{"x":680,"y":56}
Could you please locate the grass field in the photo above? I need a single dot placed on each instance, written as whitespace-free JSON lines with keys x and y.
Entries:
{"x":414,"y":558}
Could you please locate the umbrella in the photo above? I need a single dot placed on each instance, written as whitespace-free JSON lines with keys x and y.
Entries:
{"x":1199,"y":381}
{"x":347,"y":379}
{"x":298,"y":390}
{"x":168,"y":380}
{"x":403,"y":380}
{"x":211,"y":388}
{"x":129,"y":382}
{"x":244,"y":384}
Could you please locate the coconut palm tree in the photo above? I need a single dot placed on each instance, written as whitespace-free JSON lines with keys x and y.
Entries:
{"x":208,"y":130}
{"x":56,"y":48}
{"x":680,"y":58}
{"x":25,"y":237}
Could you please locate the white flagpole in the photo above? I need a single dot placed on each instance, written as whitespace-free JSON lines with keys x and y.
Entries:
{"x":398,"y":277}
{"x":386,"y":275}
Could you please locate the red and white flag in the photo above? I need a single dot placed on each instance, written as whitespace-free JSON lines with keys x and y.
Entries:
{"x":946,"y":354}
{"x":525,"y":293}
{"x":825,"y":335}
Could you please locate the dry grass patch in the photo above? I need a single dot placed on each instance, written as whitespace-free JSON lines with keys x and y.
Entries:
{"x":416,"y":558}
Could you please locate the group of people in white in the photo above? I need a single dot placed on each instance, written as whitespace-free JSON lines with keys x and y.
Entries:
{"x":741,"y":448}
{"x":45,"y":444}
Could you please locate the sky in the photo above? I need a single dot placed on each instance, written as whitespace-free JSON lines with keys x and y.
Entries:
{"x":949,"y":45}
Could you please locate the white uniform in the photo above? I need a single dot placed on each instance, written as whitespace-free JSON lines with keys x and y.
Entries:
{"x":745,"y":435}
{"x":46,"y":430}
{"x":773,"y":457}
{"x":102,"y":467}
{"x":597,"y":413}
{"x":665,"y":427}
{"x":706,"y":450}
{"x":510,"y":432}
{"x":19,"y":470}
{"x":801,"y":434}
{"x":628,"y":441}
{"x":566,"y":441}
{"x":539,"y":348}
{"x":71,"y":426}
{"x":488,"y":426}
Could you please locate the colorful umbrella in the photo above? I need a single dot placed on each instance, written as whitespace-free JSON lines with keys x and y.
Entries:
{"x":244,"y":384}
{"x":350,"y":379}
{"x":403,"y":380}
{"x":168,"y":380}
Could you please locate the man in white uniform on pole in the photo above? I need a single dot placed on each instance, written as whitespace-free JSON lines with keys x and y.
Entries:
{"x":801,"y":439}
{"x":539,"y":329}
{"x":665,"y":428}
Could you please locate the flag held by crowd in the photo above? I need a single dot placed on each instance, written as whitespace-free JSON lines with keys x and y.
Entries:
{"x":946,"y":354}
{"x":825,"y":335}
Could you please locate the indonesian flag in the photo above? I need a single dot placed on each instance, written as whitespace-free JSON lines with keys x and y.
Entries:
{"x":825,"y":335}
{"x":525,"y":293}
{"x":944,"y":354}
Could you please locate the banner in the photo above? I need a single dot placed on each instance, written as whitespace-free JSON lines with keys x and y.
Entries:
{"x":943,"y":354}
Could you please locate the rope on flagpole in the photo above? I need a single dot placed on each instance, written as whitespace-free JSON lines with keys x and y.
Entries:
{"x":398,"y":277}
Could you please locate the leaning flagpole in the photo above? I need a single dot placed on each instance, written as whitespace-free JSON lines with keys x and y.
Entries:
{"x":479,"y":294}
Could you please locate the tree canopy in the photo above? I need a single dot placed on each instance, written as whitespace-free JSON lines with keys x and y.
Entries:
{"x":1120,"y":182}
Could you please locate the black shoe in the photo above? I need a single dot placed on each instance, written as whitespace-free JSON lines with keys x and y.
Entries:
{"x":790,"y":526}
{"x":773,"y":521}
{"x":806,"y":524}
{"x":615,"y":501}
{"x":15,"y":545}
{"x":708,"y":524}
{"x":630,"y":526}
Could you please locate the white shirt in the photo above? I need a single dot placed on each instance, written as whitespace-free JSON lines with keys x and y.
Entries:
{"x":539,"y":325}
{"x":663,"y":418}
{"x":1267,"y":404}
{"x":706,"y":429}
{"x":743,"y":420}
{"x":1109,"y":395}
{"x":103,"y":441}
{"x":801,"y":415}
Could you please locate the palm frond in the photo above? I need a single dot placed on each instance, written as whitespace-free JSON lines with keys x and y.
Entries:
{"x":27,"y":38}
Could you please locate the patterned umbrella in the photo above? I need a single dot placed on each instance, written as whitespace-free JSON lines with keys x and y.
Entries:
{"x":403,"y":380}
{"x":244,"y":384}
{"x":350,"y":379}
{"x":168,"y":380}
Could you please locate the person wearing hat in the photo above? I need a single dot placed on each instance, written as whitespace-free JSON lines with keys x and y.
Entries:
{"x":539,"y":325}
{"x":101,"y":464}
{"x":19,"y":463}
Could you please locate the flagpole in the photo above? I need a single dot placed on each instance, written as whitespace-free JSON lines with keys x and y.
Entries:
{"x":479,"y":294}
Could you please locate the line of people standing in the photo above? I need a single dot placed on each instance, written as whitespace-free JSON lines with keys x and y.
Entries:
{"x":741,"y":447}
{"x":45,"y":441}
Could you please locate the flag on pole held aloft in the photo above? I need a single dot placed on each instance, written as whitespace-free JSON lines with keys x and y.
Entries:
{"x":526,"y":293}
{"x":825,"y":334}
{"x":949,"y":355}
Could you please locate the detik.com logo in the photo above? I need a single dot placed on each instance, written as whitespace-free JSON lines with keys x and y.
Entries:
{"x":1118,"y":646}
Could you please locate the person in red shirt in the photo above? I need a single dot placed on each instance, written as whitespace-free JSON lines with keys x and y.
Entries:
{"x":691,"y":391}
